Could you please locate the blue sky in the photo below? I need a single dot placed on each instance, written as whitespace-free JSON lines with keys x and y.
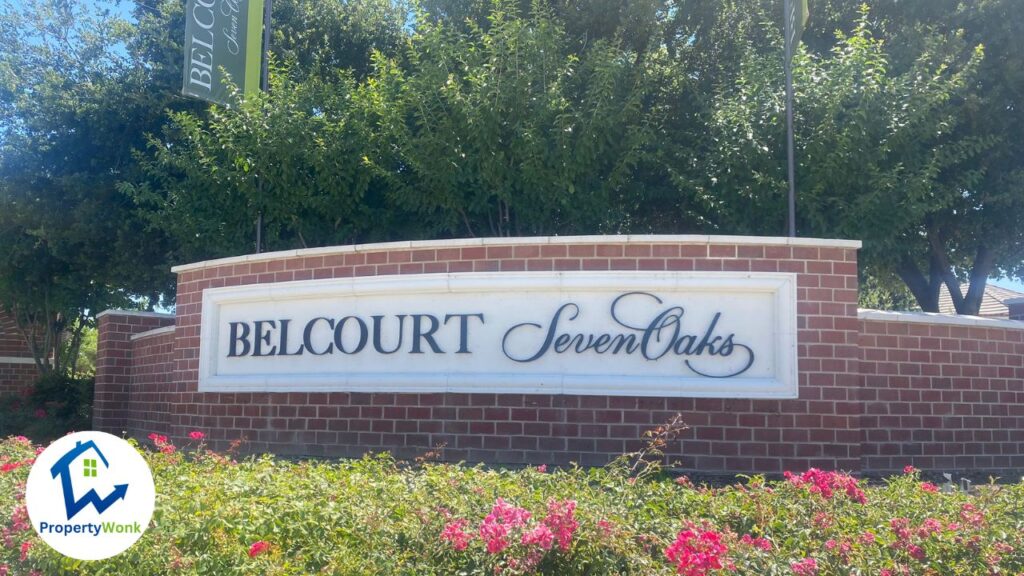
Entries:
{"x":1011,"y":284}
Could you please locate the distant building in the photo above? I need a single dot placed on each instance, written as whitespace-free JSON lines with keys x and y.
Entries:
{"x":994,"y":304}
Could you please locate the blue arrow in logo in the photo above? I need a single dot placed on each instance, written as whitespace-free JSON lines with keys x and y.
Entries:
{"x":63,"y":469}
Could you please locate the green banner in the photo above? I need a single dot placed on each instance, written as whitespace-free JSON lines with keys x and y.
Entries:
{"x":223,"y":40}
{"x":796,"y":20}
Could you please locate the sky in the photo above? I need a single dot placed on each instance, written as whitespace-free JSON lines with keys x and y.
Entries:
{"x":1011,"y":284}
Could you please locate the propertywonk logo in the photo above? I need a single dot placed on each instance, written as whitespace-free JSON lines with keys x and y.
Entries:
{"x":90,"y":495}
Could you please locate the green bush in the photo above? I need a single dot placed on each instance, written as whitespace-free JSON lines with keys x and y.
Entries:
{"x":266,"y":515}
{"x":55,"y":405}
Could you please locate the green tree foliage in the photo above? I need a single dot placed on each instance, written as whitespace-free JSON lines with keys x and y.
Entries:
{"x":887,"y":154}
{"x":82,"y":86}
{"x":503,"y":131}
{"x":71,"y":245}
{"x":978,"y":235}
{"x":476,"y":117}
{"x":294,"y":155}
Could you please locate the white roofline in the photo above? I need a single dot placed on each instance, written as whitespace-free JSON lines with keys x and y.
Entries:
{"x":153,"y":332}
{"x":520,"y":241}
{"x":935,"y":318}
{"x":136,"y":313}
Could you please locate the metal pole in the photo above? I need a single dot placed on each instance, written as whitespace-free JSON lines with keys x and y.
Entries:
{"x":264,"y":86}
{"x":265,"y":72}
{"x":788,"y":41}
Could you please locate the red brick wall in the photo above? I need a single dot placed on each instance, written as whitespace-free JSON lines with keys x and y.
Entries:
{"x":114,"y":365}
{"x":821,"y":428}
{"x":17,"y":369}
{"x":875,"y":394}
{"x":152,"y":367}
{"x":942,"y":396}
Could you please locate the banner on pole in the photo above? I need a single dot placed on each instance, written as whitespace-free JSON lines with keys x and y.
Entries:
{"x":796,"y":19}
{"x":223,"y":41}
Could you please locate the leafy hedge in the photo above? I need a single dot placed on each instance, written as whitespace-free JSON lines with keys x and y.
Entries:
{"x":219,"y":516}
{"x":52,"y":406}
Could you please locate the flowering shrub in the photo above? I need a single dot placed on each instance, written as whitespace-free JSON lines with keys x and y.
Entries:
{"x":826,"y":484}
{"x":696,"y":553}
{"x":376,"y":516}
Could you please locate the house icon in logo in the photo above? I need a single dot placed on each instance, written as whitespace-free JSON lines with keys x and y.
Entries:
{"x":63,"y":469}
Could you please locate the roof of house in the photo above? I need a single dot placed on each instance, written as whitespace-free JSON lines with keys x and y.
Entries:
{"x":992,"y":304}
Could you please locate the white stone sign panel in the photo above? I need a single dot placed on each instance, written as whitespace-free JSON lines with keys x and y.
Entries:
{"x":682,"y":334}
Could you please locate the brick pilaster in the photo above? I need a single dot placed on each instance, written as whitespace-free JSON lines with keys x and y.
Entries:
{"x":113,"y":364}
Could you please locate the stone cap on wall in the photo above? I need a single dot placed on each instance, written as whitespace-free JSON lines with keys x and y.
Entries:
{"x":528,"y":240}
{"x":937,"y":318}
{"x":136,"y":313}
{"x":154,"y":332}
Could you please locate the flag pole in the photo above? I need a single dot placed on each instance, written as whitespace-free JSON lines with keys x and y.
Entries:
{"x":790,"y":24}
{"x":264,"y":86}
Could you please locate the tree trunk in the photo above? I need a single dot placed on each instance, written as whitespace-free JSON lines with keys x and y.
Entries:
{"x":971,"y":303}
{"x":925,"y":289}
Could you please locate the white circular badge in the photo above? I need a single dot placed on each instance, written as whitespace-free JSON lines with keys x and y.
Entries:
{"x":90,"y":495}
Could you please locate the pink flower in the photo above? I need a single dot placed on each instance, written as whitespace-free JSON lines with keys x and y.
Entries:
{"x":258,"y":547}
{"x":970,"y":515}
{"x":23,"y":439}
{"x":495,"y":528}
{"x":12,"y":466}
{"x":543,"y":468}
{"x":696,"y":552}
{"x":19,"y":519}
{"x":605,"y":527}
{"x":900,"y":527}
{"x":684,"y":481}
{"x":4,"y":569}
{"x":453,"y":533}
{"x":561,"y":521}
{"x":908,"y":469}
{"x":805,"y":567}
{"x":916,"y":552}
{"x":822,"y":521}
{"x":867,"y":538}
{"x":540,"y":536}
{"x":162,"y":443}
{"x":196,"y":435}
{"x":760,"y":543}
{"x":827,"y":483}
{"x":929,"y":527}
{"x":929,"y":487}
{"x":25,"y":547}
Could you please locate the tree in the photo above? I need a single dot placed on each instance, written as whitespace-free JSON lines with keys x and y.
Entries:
{"x":72,"y":243}
{"x":505,"y":131}
{"x":294,"y":155}
{"x":978,"y":235}
{"x":884,"y":157}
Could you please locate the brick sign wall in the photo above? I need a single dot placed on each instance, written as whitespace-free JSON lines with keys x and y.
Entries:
{"x":152,"y":383}
{"x":17,"y":368}
{"x":942,"y":393}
